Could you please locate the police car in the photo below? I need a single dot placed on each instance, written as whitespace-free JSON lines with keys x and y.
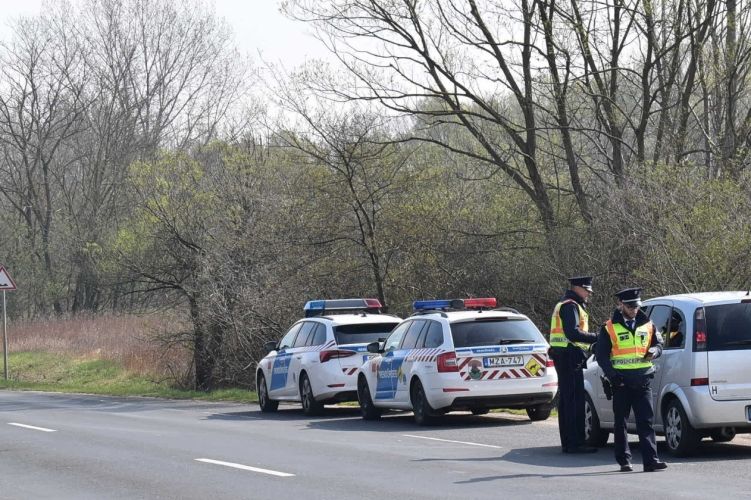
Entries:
{"x":316,"y":360}
{"x":459,"y":355}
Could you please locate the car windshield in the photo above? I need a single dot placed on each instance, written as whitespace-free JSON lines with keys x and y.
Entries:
{"x":728,"y":327}
{"x":495,"y":331}
{"x":362,"y":333}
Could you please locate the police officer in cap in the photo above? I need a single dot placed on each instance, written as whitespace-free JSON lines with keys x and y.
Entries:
{"x":626,"y":346}
{"x":569,"y":340}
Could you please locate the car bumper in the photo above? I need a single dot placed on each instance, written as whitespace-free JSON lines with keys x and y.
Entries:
{"x":453,"y":395}
{"x":707,"y":412}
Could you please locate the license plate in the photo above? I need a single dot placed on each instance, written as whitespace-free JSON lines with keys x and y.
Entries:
{"x":500,"y":361}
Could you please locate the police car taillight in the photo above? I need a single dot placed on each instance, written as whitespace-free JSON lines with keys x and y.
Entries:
{"x":447,"y":362}
{"x":334,"y":354}
{"x":700,"y":330}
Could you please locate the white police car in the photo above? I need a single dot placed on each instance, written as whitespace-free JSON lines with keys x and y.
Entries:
{"x":459,"y":355}
{"x":316,"y":360}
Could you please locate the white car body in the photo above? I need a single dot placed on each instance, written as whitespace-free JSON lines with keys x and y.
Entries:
{"x":327,"y":351}
{"x":702,"y":384}
{"x":482,"y":377}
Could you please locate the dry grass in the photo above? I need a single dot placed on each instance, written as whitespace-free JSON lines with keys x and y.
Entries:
{"x":140,"y":344}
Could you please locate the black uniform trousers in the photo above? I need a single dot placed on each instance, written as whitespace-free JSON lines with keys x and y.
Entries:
{"x":639,"y":398}
{"x":568,"y":364}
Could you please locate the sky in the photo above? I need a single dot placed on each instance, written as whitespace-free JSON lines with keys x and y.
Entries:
{"x":258,"y":25}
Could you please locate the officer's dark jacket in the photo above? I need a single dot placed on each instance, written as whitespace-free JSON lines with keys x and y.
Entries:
{"x":570,"y":319}
{"x":604,"y":345}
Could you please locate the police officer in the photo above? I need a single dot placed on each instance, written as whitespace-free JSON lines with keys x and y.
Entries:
{"x":626,"y":346}
{"x":569,"y":340}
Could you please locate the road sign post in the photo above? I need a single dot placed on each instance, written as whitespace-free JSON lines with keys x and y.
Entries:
{"x":6,"y":284}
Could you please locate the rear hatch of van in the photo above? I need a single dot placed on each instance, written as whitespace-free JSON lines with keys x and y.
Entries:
{"x":728,"y":346}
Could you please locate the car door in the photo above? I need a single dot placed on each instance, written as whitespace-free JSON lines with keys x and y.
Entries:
{"x":388,"y":367}
{"x":404,"y":362}
{"x":660,"y":315}
{"x":280,"y":364}
{"x":297,"y":351}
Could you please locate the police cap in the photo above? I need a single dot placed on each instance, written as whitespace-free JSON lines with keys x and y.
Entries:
{"x":630,"y":296}
{"x":583,"y":281}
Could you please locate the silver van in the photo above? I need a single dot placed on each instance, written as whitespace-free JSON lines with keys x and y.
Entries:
{"x":702,"y":384}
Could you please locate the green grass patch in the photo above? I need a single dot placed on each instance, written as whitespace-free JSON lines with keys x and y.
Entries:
{"x":43,"y":371}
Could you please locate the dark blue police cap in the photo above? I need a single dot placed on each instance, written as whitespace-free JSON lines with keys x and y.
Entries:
{"x":583,"y":281}
{"x":631,"y":296}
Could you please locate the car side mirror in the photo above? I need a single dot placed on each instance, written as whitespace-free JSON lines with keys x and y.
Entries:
{"x":270,"y":346}
{"x":374,"y":347}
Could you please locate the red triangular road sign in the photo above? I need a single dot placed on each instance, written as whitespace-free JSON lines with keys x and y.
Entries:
{"x":6,"y":282}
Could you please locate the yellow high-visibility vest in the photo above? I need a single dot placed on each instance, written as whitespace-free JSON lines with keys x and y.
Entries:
{"x":557,"y":337}
{"x":629,"y":348}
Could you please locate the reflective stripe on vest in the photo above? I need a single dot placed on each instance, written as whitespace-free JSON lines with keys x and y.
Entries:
{"x":629,"y":349}
{"x":557,"y":337}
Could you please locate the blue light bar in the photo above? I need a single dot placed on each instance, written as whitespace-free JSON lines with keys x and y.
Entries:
{"x":319,"y":307}
{"x":422,"y":305}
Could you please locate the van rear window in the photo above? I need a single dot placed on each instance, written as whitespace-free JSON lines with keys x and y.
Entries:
{"x":728,"y":327}
{"x":498,"y":331}
{"x":362,"y":334}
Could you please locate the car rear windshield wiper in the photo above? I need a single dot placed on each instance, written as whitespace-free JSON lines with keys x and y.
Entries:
{"x":738,"y":342}
{"x":515,"y":341}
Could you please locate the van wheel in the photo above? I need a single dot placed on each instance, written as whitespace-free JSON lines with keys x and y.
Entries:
{"x":722,"y":435}
{"x":424,"y":413}
{"x":594,"y":435}
{"x":267,"y":404}
{"x":680,"y":436}
{"x":310,"y":406}
{"x":367,"y":408}
{"x":539,"y":413}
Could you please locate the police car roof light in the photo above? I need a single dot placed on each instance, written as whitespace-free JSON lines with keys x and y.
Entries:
{"x":319,"y":307}
{"x":423,"y":305}
{"x":486,"y":303}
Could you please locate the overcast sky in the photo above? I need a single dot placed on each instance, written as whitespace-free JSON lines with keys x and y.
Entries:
{"x":258,"y":27}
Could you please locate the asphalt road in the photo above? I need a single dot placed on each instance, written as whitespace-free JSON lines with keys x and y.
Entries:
{"x":92,"y":447}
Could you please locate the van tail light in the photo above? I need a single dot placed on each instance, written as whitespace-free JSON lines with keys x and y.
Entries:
{"x":447,"y":362}
{"x":549,"y":363}
{"x":335,"y":353}
{"x":699,"y":381}
{"x":700,"y":330}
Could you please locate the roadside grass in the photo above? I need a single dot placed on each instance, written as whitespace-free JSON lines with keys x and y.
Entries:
{"x":125,"y":355}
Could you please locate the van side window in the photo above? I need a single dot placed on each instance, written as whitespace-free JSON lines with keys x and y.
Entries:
{"x":660,"y":316}
{"x":676,"y":336}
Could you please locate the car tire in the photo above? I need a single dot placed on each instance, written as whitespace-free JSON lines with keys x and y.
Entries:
{"x":368,"y":410}
{"x":310,"y":406}
{"x":479,"y":411}
{"x":594,"y":434}
{"x":722,"y":435}
{"x":539,"y":413}
{"x":680,"y":436}
{"x":267,"y":404}
{"x":423,"y":412}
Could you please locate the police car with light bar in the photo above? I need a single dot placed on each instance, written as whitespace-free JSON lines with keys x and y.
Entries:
{"x":316,"y":360}
{"x":459,"y":355}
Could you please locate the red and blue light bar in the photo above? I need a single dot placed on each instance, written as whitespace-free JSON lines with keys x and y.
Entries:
{"x":320,"y":307}
{"x":481,"y":303}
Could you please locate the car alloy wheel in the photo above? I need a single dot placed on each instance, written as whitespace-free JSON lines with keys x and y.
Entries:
{"x":680,"y":436}
{"x":309,"y":404}
{"x":420,"y":407}
{"x":367,"y":408}
{"x":266,"y":404}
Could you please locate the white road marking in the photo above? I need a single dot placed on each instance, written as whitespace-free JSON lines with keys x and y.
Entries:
{"x":32,"y":427}
{"x":245,"y":467}
{"x":452,"y":441}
